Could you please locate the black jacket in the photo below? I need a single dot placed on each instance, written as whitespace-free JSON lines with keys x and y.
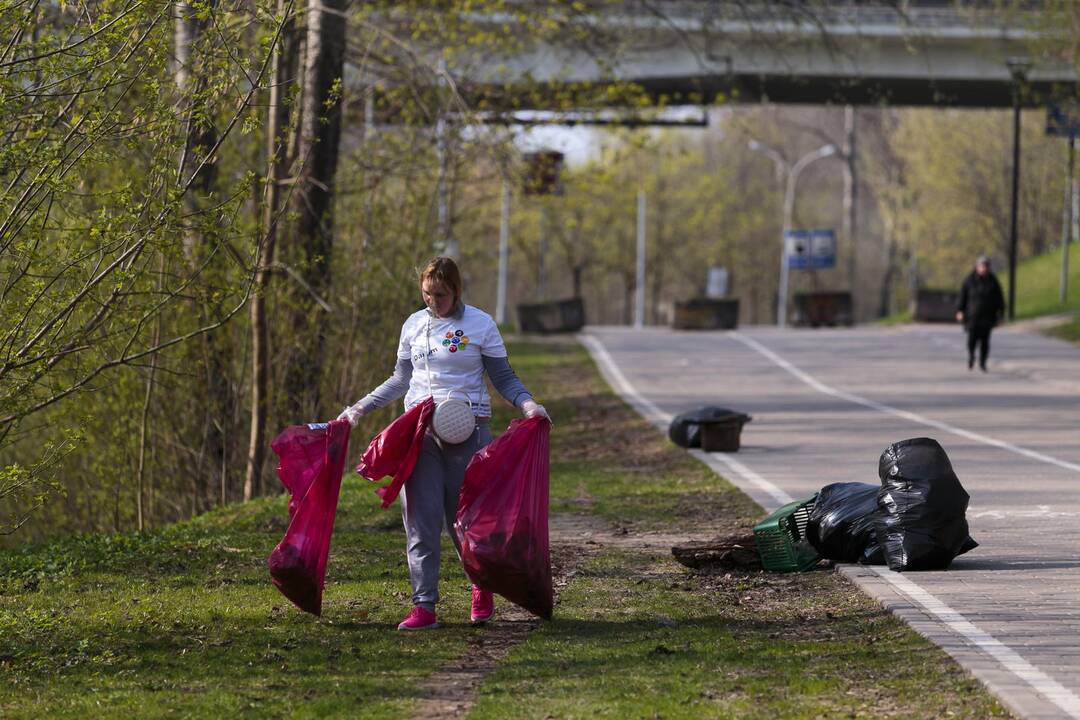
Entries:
{"x":981,"y":300}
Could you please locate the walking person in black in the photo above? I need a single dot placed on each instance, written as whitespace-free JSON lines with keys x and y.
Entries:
{"x":980,"y":308}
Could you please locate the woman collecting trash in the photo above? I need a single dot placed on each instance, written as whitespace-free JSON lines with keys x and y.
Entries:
{"x":444,"y":351}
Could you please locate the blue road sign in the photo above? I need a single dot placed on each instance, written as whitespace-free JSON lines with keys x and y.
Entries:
{"x":810,"y":249}
{"x":1063,"y":119}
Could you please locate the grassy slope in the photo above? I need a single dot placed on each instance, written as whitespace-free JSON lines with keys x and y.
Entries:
{"x":1038,"y":282}
{"x":184,"y":622}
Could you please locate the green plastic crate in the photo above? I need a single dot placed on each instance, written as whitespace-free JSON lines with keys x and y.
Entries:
{"x":781,"y":538}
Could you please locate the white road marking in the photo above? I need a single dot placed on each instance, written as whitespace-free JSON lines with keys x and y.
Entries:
{"x":781,"y":497}
{"x":896,"y":412}
{"x":1039,"y":511}
{"x":1042,"y":683}
{"x":617,"y":380}
{"x":1008,"y":658}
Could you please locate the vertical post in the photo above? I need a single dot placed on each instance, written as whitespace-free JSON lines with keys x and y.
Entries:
{"x":1075,"y":209}
{"x":444,"y":243}
{"x":1067,"y":221}
{"x":781,"y":292}
{"x":504,"y":252}
{"x":1017,"y":70}
{"x":541,"y":251}
{"x":639,"y":281}
{"x":851,"y":195}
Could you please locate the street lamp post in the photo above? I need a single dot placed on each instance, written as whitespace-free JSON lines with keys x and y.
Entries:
{"x":504,"y":252}
{"x":1018,"y":68}
{"x":792,"y":175}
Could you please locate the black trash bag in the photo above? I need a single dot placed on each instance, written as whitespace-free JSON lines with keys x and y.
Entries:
{"x":685,"y":429}
{"x":841,"y":525}
{"x":921,"y":521}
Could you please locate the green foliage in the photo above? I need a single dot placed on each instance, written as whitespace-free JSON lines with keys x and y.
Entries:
{"x":104,"y":254}
{"x":944,"y":189}
{"x":709,"y":201}
{"x":132,"y":202}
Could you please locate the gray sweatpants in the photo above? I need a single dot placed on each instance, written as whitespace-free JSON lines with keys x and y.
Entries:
{"x":429,"y":500}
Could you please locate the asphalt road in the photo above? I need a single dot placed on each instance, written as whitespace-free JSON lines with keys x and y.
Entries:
{"x":827,"y":402}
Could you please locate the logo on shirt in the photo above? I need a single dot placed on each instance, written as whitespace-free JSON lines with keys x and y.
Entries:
{"x":417,"y":357}
{"x":455,"y":340}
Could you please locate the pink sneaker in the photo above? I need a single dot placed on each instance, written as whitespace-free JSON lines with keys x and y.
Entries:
{"x":419,"y":619}
{"x":483,"y":605}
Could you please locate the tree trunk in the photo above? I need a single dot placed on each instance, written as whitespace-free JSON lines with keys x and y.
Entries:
{"x":140,"y":470}
{"x":277,"y":120}
{"x":199,"y":136}
{"x":317,"y":155}
{"x":200,"y":133}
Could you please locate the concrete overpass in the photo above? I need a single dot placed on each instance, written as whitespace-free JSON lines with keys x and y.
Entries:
{"x":922,"y":52}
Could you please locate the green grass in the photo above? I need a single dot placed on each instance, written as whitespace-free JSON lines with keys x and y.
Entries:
{"x":184,"y":622}
{"x":1066,"y":331}
{"x":1038,"y":282}
{"x":901,"y":317}
{"x":640,"y":637}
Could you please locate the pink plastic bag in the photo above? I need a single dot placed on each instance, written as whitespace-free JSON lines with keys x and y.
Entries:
{"x":502,"y":517}
{"x":312,"y":459}
{"x":395,"y":450}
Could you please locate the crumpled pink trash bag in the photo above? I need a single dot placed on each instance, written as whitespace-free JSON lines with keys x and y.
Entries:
{"x":395,"y":450}
{"x":502,"y":517}
{"x":312,"y":459}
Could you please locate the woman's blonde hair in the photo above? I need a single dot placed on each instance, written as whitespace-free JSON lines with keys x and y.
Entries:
{"x":443,"y":270}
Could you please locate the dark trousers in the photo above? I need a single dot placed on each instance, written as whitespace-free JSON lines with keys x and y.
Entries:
{"x":979,"y":335}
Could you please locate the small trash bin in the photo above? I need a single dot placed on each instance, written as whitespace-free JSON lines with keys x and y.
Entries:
{"x":552,"y":317}
{"x":713,"y":429}
{"x":722,"y":435}
{"x":935,"y":305}
{"x":706,"y":314}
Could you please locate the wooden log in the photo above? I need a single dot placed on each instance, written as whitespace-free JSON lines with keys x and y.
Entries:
{"x":737,"y":552}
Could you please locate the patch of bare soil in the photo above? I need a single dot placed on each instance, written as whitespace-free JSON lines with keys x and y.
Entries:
{"x":627,"y":444}
{"x":451,"y":692}
{"x":586,"y":532}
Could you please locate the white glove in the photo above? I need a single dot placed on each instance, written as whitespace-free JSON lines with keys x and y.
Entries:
{"x":352,"y":414}
{"x":531,"y":408}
